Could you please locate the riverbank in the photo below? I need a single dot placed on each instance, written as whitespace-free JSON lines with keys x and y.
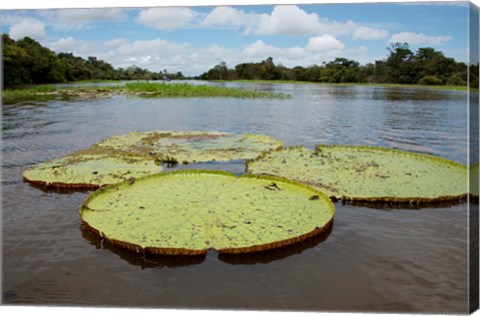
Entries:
{"x":141,"y":89}
{"x":387,"y":85}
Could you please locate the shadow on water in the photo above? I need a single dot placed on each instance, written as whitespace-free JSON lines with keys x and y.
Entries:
{"x":158,"y":261}
{"x":392,"y":206}
{"x":58,"y":190}
{"x":142,"y":260}
{"x":277,"y":253}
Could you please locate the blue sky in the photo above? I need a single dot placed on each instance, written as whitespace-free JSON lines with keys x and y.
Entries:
{"x":194,"y":39}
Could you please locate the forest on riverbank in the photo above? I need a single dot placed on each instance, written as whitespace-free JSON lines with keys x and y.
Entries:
{"x":26,"y":61}
{"x":426,"y":66}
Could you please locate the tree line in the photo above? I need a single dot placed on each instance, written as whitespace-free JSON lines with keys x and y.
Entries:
{"x":426,"y":66}
{"x":26,"y":61}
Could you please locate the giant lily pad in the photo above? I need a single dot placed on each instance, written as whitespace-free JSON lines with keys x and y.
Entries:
{"x":89,"y":170}
{"x":191,"y":211}
{"x":368,"y":173}
{"x":136,"y":154}
{"x":196,"y":146}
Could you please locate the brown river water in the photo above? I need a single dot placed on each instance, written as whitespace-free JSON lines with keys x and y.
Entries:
{"x":375,"y":258}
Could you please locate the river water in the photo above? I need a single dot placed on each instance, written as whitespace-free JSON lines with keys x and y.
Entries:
{"x":374,"y":259}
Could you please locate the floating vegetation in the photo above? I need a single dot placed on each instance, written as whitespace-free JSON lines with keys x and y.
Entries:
{"x":189,"y":90}
{"x":158,"y":90}
{"x":140,"y":153}
{"x":89,"y":170}
{"x":366,"y":173}
{"x":188,"y":147}
{"x":190,"y":211}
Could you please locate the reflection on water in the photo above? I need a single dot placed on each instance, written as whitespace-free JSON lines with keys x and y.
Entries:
{"x":142,"y":260}
{"x":388,"y":206}
{"x":373,"y":260}
{"x":276,"y":254}
{"x":145,"y":260}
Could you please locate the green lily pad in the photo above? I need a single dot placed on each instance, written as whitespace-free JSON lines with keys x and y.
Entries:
{"x":139,"y":153}
{"x":368,"y":173}
{"x":190,"y":211}
{"x":89,"y":170}
{"x":187,"y":147}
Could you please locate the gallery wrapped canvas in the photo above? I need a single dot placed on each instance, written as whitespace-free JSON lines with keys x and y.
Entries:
{"x":242,"y":156}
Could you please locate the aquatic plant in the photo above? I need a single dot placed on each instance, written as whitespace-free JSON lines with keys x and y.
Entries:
{"x":194,"y":146}
{"x":142,"y":89}
{"x":367,"y":173}
{"x":140,"y":153}
{"x":89,"y":170}
{"x":190,"y":211}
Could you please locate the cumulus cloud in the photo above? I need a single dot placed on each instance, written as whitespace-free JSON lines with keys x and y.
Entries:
{"x":317,"y":50}
{"x":70,"y":19}
{"x":368,"y":33}
{"x":224,"y":16}
{"x":166,"y":18}
{"x":418,"y":39}
{"x":28,"y":27}
{"x":324,"y":43}
{"x":116,"y":42}
{"x":287,"y":20}
{"x":71,"y":45}
{"x":84,"y":16}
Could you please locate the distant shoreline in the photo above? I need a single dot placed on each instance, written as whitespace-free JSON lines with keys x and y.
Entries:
{"x":387,"y":85}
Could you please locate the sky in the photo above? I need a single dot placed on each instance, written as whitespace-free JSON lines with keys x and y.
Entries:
{"x":193,"y":39}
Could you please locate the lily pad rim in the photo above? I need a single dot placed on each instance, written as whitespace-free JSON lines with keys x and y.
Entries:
{"x":75,"y":185}
{"x":186,"y":251}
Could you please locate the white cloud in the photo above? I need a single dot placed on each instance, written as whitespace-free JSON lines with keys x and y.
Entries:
{"x":28,"y":27}
{"x":228,"y":16}
{"x":324,"y":43}
{"x":288,"y":20}
{"x":84,"y":16}
{"x":368,"y":33}
{"x":70,"y":45}
{"x":166,"y":18}
{"x":318,"y":49}
{"x":117,"y":42}
{"x":418,"y":39}
{"x":71,"y":19}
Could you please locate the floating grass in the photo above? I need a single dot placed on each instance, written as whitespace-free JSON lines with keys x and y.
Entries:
{"x":190,"y":211}
{"x":146,"y":89}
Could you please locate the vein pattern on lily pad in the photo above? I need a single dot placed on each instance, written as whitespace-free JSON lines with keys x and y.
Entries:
{"x":190,"y":211}
{"x":367,"y":173}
